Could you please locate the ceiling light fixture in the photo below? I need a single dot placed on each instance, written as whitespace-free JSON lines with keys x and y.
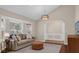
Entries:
{"x":44,"y":17}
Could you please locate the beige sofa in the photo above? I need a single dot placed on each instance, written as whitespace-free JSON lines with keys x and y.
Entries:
{"x":20,"y":42}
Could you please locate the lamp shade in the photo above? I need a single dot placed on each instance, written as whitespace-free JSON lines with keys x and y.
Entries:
{"x":2,"y":26}
{"x":6,"y":35}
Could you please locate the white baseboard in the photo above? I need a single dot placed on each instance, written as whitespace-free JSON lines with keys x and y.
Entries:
{"x":54,"y":41}
{"x":40,"y":40}
{"x":65,"y":43}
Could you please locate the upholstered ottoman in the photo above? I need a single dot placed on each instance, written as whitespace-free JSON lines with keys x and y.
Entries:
{"x":37,"y":45}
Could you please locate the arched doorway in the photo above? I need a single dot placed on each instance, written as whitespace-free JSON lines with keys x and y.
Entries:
{"x":56,"y":31}
{"x":52,"y":30}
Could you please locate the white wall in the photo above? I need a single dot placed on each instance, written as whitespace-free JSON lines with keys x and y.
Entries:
{"x":63,"y":13}
{"x":55,"y":30}
{"x":77,"y":13}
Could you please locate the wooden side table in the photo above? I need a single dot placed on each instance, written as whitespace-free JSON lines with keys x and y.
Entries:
{"x":73,"y":43}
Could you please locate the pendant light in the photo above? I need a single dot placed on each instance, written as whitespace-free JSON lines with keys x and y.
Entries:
{"x":44,"y":16}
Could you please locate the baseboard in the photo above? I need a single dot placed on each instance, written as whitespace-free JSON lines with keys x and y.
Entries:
{"x":55,"y":42}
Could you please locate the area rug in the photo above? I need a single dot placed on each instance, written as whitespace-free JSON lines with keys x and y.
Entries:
{"x":48,"y":48}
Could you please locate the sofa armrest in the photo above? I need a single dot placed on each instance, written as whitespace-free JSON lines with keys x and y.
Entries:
{"x":13,"y":44}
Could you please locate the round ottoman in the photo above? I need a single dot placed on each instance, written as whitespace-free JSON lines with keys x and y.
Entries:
{"x":37,"y":45}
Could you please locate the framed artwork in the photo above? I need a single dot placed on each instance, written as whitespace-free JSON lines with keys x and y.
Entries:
{"x":15,"y":27}
{"x":27,"y":28}
{"x":77,"y":27}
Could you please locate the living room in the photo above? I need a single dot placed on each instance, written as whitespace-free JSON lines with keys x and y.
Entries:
{"x":46,"y":28}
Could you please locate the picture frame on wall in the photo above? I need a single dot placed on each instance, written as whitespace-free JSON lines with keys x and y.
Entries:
{"x":77,"y":27}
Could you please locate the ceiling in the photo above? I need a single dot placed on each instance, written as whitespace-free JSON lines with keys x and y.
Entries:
{"x":33,"y":11}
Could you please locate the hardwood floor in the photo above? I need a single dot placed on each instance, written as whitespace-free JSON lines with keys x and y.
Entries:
{"x":64,"y":49}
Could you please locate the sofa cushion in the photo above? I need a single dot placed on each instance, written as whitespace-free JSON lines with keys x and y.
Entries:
{"x":23,"y":36}
{"x":18,"y":38}
{"x":20,"y":35}
{"x":30,"y":40}
{"x":25,"y":41}
{"x":29,"y":36}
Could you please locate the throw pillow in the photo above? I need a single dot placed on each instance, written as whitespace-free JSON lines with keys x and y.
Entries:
{"x":24,"y":36}
{"x":29,"y":36}
{"x":20,"y":35}
{"x":18,"y":38}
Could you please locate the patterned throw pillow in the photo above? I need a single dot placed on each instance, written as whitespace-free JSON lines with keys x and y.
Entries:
{"x":29,"y":36}
{"x":23,"y":36}
{"x":18,"y":38}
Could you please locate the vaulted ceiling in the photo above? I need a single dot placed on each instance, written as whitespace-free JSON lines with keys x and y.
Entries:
{"x":32,"y":11}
